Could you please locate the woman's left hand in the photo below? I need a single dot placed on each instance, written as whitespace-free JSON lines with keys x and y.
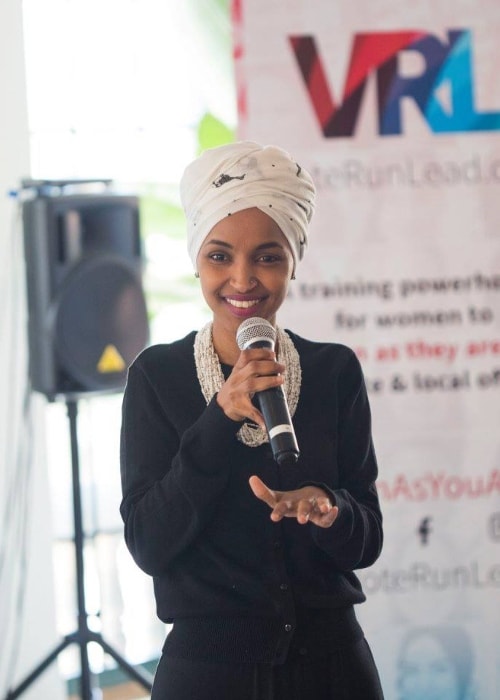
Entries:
{"x":310,"y":504}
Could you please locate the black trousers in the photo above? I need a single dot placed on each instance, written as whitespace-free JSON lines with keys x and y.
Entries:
{"x":346,"y":674}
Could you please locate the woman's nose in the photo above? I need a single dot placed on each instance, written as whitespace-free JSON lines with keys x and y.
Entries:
{"x":242,"y":277}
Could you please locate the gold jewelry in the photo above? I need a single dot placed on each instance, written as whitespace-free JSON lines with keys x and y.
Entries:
{"x":211,"y":378}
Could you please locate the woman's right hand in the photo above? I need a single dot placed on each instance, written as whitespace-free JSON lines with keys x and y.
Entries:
{"x":255,"y":370}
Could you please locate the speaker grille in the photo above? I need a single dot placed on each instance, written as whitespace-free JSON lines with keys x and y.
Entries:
{"x":101,"y":323}
{"x":87,"y":310}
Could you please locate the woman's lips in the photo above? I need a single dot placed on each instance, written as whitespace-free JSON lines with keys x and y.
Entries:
{"x":243,"y":303}
{"x":241,"y":306}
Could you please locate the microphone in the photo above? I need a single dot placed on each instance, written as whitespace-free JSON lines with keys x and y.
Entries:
{"x":258,"y":333}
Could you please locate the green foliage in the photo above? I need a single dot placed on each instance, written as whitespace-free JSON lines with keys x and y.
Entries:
{"x":158,"y":215}
{"x":212,"y":132}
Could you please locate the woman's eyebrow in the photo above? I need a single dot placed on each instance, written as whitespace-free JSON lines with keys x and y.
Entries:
{"x":271,"y":244}
{"x":214,"y":241}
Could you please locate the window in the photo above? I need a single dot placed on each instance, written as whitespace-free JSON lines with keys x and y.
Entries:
{"x":127,"y":90}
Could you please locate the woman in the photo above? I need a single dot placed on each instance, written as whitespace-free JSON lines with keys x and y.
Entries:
{"x":436,"y":663}
{"x":252,"y":561}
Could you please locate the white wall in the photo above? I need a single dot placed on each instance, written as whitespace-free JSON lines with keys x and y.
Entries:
{"x":28,"y":631}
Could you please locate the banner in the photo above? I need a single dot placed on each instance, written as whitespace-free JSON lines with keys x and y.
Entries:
{"x":395,"y":111}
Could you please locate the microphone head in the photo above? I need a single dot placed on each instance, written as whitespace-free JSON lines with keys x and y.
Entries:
{"x":256,"y":332}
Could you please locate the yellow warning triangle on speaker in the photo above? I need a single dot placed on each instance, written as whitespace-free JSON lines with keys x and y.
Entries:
{"x":111,"y":361}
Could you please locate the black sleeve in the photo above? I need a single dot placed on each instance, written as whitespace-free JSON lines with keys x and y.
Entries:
{"x":355,"y":539}
{"x":171,"y":484}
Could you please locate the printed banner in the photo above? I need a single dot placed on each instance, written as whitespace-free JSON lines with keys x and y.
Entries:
{"x":395,"y":111}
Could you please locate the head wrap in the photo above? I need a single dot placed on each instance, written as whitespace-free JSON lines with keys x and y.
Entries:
{"x":241,"y":175}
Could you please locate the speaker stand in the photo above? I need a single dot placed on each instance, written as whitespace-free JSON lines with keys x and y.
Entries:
{"x":82,"y":636}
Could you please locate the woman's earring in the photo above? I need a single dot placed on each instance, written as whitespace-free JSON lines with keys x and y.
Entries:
{"x":197,"y":275}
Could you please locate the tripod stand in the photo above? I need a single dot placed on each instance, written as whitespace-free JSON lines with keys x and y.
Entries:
{"x":82,"y":635}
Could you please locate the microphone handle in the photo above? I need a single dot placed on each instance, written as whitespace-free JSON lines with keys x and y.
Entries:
{"x":274,"y":408}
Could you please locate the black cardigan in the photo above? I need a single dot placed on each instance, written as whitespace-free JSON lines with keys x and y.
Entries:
{"x":225,"y":572}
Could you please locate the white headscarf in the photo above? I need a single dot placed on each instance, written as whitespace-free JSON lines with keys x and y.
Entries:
{"x":241,"y":175}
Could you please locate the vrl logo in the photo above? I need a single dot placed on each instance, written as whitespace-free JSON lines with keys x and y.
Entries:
{"x":448,"y":65}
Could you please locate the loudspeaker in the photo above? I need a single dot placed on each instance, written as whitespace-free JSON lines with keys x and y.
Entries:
{"x":87,"y":316}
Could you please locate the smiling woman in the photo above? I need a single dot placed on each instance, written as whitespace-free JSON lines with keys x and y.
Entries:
{"x":436,"y":663}
{"x":245,"y":265}
{"x":252,"y":558}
